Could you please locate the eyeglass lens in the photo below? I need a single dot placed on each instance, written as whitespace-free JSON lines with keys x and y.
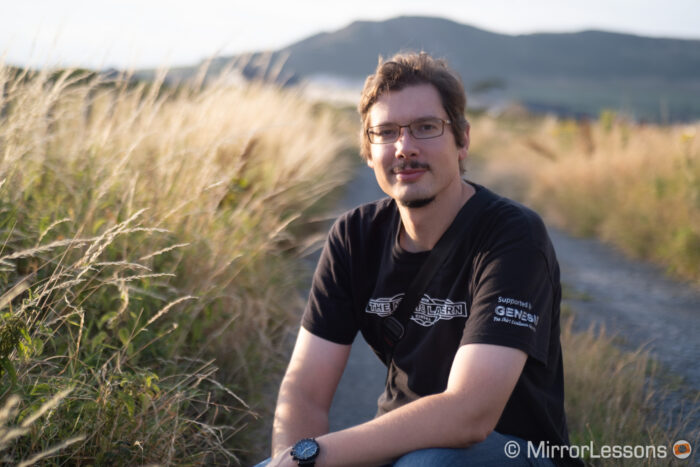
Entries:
{"x":419,"y":129}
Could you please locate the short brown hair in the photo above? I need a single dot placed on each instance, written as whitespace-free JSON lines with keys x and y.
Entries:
{"x":409,"y":69}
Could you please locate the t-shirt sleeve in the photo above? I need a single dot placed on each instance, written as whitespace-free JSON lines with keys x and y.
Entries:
{"x":329,"y":310}
{"x":512,"y":300}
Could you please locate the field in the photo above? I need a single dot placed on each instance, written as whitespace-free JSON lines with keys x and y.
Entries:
{"x":633,"y":185}
{"x":149,"y":267}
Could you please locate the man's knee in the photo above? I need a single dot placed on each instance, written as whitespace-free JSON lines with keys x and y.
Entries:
{"x":427,"y":457}
{"x":490,"y":452}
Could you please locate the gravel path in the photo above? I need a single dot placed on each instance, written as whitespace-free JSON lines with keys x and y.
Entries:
{"x":363,"y":381}
{"x":631,"y":299}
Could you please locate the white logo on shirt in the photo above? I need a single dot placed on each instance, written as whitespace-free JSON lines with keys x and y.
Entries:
{"x":515,"y":316}
{"x":383,"y":306}
{"x":428,"y":312}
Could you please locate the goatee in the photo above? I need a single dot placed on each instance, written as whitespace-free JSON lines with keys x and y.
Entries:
{"x":417,"y":203}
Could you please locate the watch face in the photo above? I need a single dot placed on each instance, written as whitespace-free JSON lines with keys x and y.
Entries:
{"x":305,"y":449}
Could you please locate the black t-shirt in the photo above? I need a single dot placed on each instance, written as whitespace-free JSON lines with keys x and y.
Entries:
{"x":501,"y":287}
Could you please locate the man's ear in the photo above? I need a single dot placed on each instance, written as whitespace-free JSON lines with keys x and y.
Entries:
{"x":464,"y":150}
{"x":369,"y":161}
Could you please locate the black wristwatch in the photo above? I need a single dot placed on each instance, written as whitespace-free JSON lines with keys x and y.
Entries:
{"x":306,"y":451}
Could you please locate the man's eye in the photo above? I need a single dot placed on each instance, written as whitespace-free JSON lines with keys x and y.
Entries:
{"x":427,"y":126}
{"x":385,"y":132}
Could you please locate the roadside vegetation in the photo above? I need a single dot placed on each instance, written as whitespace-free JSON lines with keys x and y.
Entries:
{"x":636,"y":186}
{"x":148,"y":269}
{"x":614,"y":397}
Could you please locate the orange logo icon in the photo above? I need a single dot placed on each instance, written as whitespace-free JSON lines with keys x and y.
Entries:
{"x":682,"y":449}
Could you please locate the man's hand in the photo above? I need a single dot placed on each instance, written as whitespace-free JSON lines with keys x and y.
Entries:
{"x":283,"y":459}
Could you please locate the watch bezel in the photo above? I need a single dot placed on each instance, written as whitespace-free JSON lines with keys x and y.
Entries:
{"x":300,"y":444}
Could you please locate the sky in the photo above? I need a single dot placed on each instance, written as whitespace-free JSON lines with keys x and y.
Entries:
{"x":160,"y":33}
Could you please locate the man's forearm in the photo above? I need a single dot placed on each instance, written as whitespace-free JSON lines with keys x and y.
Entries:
{"x":307,"y":390}
{"x":433,"y":421}
{"x":464,"y":414}
{"x":296,"y":418}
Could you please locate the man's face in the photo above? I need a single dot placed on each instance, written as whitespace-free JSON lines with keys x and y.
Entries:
{"x":414,"y":171}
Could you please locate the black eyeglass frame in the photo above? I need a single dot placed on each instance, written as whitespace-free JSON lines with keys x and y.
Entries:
{"x":398,"y":133}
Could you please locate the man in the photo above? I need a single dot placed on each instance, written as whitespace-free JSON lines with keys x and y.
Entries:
{"x":479,"y":369}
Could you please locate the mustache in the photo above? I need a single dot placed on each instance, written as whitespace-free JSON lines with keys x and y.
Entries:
{"x":404,"y":164}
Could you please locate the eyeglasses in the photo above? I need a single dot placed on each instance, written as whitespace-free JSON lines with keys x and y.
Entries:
{"x":425,"y":128}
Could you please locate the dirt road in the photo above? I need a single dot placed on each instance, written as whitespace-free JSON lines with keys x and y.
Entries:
{"x":633,"y":300}
{"x":363,"y":381}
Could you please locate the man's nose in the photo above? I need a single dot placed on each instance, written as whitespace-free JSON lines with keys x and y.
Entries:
{"x":406,"y":144}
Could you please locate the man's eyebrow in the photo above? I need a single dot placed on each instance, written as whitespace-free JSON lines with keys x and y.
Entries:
{"x":418,"y":119}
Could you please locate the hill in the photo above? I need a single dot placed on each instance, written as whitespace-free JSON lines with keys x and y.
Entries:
{"x":582,"y":72}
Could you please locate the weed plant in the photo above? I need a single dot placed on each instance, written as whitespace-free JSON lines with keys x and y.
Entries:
{"x":146,"y":261}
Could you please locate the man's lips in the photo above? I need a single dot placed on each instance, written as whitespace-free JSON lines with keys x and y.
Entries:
{"x":408,"y":175}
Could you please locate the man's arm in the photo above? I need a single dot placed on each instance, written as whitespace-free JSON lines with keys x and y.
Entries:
{"x":307,"y":390}
{"x":481,"y":381}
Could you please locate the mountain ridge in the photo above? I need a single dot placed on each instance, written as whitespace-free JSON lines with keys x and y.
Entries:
{"x":584,"y":71}
{"x":359,"y":44}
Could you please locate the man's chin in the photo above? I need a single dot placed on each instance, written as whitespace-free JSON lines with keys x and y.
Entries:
{"x":416,"y":203}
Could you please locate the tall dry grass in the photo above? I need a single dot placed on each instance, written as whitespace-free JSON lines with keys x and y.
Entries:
{"x":614,"y":397}
{"x":146,"y":259}
{"x":636,"y":186}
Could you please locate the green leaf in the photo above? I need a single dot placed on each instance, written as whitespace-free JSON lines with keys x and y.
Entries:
{"x":123,"y":335}
{"x":97,"y":340}
{"x":150,"y":378}
{"x":129,"y":402}
{"x":106,"y":317}
{"x":145,"y":402}
{"x":44,"y":222}
{"x":39,"y":389}
{"x":98,"y":223}
{"x":38,"y":346}
{"x":6,"y":365}
{"x":24,"y":350}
